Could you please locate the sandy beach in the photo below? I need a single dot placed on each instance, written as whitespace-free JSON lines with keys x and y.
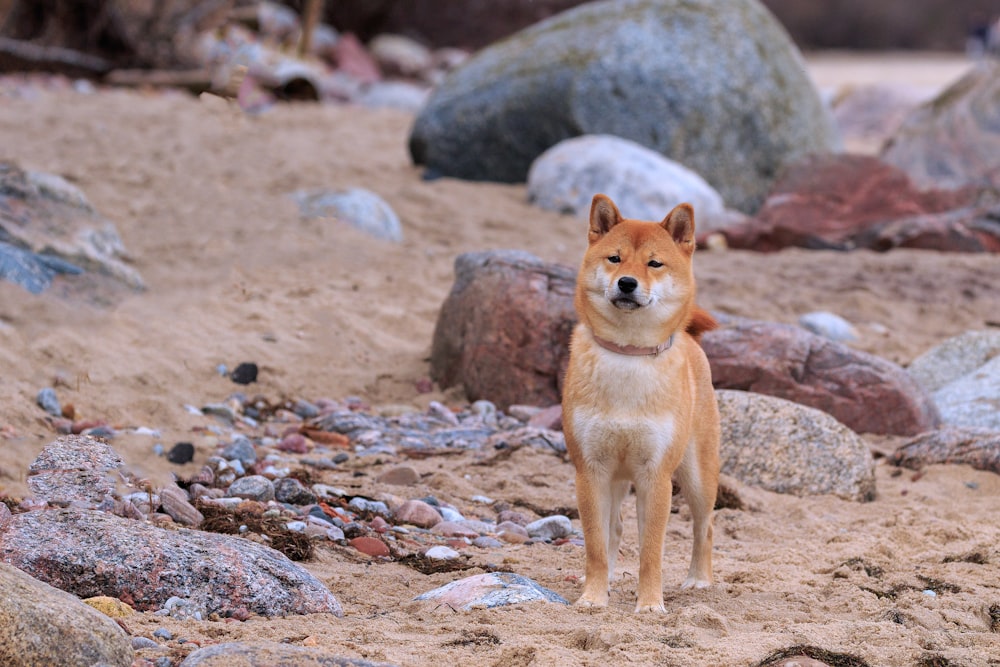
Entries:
{"x":200,"y":193}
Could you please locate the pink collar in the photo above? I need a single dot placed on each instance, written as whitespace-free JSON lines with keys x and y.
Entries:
{"x":633,"y":350}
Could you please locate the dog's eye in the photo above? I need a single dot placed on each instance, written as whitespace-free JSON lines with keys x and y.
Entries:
{"x":614,"y":259}
{"x":653,"y":263}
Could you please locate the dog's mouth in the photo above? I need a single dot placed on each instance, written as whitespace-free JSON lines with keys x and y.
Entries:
{"x":625,"y":303}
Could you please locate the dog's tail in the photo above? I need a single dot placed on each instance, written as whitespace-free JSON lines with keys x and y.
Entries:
{"x":699,"y":323}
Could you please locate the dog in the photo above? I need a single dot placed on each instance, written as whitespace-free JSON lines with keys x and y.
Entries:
{"x":638,"y":403}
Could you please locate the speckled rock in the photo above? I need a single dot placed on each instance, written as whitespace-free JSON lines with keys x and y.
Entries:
{"x":972,"y":400}
{"x":291,"y":490}
{"x":789,"y":448}
{"x":504,"y":330}
{"x":637,"y":69}
{"x":270,"y":654}
{"x":954,"y":358}
{"x":91,"y":553}
{"x":953,"y":140}
{"x":74,"y":468}
{"x":977,"y":447}
{"x":643,"y":183}
{"x":550,"y":527}
{"x":866,"y":393}
{"x":252,"y":487}
{"x":42,"y":625}
{"x":495,"y":589}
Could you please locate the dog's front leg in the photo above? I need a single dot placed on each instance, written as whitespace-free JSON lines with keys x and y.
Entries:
{"x":653,"y":508}
{"x":594,"y":501}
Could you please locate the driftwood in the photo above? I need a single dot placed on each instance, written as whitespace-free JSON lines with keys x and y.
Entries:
{"x":20,"y":56}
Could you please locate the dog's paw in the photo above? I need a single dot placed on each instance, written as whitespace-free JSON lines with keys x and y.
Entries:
{"x":655,"y":608}
{"x":588,"y":600}
{"x":692,"y":582}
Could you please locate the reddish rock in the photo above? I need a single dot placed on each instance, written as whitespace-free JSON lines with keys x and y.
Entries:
{"x":90,"y":553}
{"x":550,"y":418}
{"x":399,"y":476}
{"x":371,"y":546}
{"x":513,"y":516}
{"x":970,"y":229}
{"x":353,"y":58}
{"x":864,"y":392}
{"x":296,"y":443}
{"x":417,"y":513}
{"x":977,"y":447}
{"x":74,"y":468}
{"x":835,"y":201}
{"x":503,"y":332}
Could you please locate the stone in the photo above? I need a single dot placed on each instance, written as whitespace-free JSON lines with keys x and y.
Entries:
{"x":74,"y":468}
{"x":42,"y":625}
{"x":48,"y":401}
{"x":829,"y":325}
{"x":790,"y":448}
{"x":400,"y":95}
{"x":176,"y":503}
{"x":181,"y":453}
{"x":441,"y":553}
{"x":89,"y":553}
{"x":496,"y":589}
{"x":503,"y":332}
{"x":550,"y":527}
{"x":371,"y":546}
{"x":252,"y":487}
{"x":245,"y":373}
{"x":242,"y":450}
{"x":399,"y":476}
{"x":866,"y":393}
{"x":549,"y":418}
{"x":292,"y":491}
{"x":972,"y":400}
{"x":954,"y":358}
{"x":837,"y":202}
{"x":270,"y":654}
{"x":637,"y":69}
{"x":976,"y":447}
{"x":644,"y":184}
{"x":109,"y":606}
{"x":48,"y":228}
{"x":417,"y":513}
{"x":398,"y":55}
{"x":953,"y":140}
{"x":358,"y":207}
{"x":868,"y":114}
{"x":973,"y":228}
{"x":454,"y":529}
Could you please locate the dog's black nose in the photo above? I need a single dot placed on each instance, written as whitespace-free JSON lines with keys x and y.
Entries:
{"x":627,"y":284}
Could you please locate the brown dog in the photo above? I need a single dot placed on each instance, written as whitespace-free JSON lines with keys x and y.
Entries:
{"x":638,"y":403}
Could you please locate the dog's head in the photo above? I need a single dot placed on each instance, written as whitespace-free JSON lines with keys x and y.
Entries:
{"x":636,"y":274}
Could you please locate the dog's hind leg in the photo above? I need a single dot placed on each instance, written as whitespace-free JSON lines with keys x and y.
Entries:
{"x":698,"y":476}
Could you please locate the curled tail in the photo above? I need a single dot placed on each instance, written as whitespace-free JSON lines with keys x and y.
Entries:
{"x":699,"y":323}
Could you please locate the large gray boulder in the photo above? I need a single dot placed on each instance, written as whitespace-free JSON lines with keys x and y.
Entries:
{"x":953,"y":140}
{"x":790,"y":448}
{"x":716,"y":85}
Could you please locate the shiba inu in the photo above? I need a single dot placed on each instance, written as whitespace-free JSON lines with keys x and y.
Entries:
{"x":638,"y":403}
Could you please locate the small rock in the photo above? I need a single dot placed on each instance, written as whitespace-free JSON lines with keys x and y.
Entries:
{"x":371,"y":546}
{"x":176,"y":503}
{"x":829,"y":325}
{"x":181,"y":453}
{"x":163,"y":634}
{"x":290,"y":490}
{"x":452,"y":529}
{"x":245,"y":373}
{"x":295,"y":443}
{"x":252,"y":487}
{"x":441,"y":553}
{"x":270,"y":654}
{"x":548,"y":418}
{"x":358,"y":207}
{"x":242,"y":450}
{"x":509,"y":529}
{"x":109,"y":606}
{"x":491,"y":590}
{"x":48,"y":401}
{"x":399,"y":476}
{"x":450,"y":514}
{"x":417,"y":513}
{"x":486,"y":542}
{"x":140,"y":643}
{"x":374,"y":506}
{"x":513,"y":516}
{"x":550,"y":527}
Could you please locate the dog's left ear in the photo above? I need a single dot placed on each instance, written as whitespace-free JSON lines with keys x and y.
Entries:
{"x":680,"y":224}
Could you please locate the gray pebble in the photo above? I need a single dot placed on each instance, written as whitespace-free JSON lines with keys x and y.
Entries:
{"x":828,"y":325}
{"x":252,"y":487}
{"x":550,"y":528}
{"x":48,"y":401}
{"x":290,"y":490}
{"x":448,"y":514}
{"x":143,"y":642}
{"x":163,"y":633}
{"x":242,"y":450}
{"x":376,"y":506}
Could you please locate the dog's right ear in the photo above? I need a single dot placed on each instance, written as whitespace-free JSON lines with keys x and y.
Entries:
{"x":603,"y":216}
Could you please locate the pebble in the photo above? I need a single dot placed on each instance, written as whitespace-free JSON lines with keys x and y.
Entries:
{"x":252,"y":487}
{"x":450,"y":514}
{"x":550,"y":528}
{"x":829,"y":325}
{"x":242,"y":450}
{"x":181,"y":453}
{"x":292,"y":491}
{"x":163,"y":633}
{"x":48,"y":401}
{"x":296,"y":443}
{"x":452,"y":529}
{"x":365,"y":505}
{"x":296,"y":526}
{"x":487,"y":542}
{"x":399,"y":476}
{"x":371,"y":546}
{"x":417,"y":513}
{"x":139,"y":643}
{"x":441,"y":553}
{"x":245,"y":373}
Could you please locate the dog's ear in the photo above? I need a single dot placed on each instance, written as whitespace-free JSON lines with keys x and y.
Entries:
{"x":680,"y":224}
{"x":603,"y":216}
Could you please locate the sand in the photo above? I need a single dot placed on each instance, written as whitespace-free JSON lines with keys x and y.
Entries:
{"x":199,"y":193}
